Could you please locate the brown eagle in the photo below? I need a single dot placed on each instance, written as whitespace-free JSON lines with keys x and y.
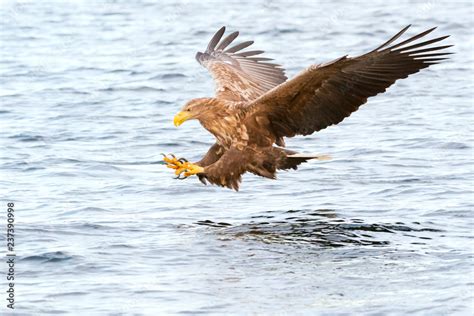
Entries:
{"x":256,"y":107}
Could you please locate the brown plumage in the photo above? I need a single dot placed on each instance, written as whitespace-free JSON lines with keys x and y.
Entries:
{"x":255,"y":107}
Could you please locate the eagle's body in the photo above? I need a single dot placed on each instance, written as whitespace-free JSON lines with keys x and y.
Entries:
{"x":227,"y":122}
{"x":255,"y":107}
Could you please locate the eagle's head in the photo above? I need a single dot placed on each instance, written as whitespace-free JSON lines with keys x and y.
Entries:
{"x":194,"y":109}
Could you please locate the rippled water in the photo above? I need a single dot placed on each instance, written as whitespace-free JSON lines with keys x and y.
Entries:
{"x":88,"y":91}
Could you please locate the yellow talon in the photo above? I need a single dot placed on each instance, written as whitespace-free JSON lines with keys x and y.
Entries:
{"x":182,"y":166}
{"x":179,"y":170}
{"x":192,"y":169}
{"x":171,"y":160}
{"x":188,"y":169}
{"x":172,"y":166}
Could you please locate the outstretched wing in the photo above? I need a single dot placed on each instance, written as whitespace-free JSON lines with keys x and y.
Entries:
{"x":228,"y":170}
{"x":325,"y":94}
{"x":239,"y":75}
{"x":213,"y":154}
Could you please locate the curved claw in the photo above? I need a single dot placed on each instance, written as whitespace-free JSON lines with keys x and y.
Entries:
{"x":179,"y":177}
{"x":182,"y":160}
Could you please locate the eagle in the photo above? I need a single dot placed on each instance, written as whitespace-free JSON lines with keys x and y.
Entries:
{"x":256,"y":107}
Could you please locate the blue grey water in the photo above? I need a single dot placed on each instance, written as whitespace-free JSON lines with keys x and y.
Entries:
{"x":88,"y":92}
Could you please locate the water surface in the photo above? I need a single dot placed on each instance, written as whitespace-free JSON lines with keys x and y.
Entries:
{"x":88,"y":91}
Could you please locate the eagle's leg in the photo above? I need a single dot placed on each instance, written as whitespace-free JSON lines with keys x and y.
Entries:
{"x":182,"y":166}
{"x":192,"y":169}
{"x":187,"y":169}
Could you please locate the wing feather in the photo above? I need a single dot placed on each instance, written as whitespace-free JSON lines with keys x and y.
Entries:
{"x":239,"y":47}
{"x":226,"y":41}
{"x":215,"y":39}
{"x":325,"y":94}
{"x":239,"y":76}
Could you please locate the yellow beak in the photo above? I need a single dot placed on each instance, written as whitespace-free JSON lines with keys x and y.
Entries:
{"x":181,"y":117}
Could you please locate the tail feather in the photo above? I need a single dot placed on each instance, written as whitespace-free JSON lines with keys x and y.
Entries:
{"x":292,"y":159}
{"x":310,"y":156}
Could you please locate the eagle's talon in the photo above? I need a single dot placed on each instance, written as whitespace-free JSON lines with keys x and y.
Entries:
{"x":183,"y":168}
{"x":171,"y":161}
{"x":179,"y":177}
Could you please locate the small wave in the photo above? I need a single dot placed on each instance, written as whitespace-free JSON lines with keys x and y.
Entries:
{"x":200,"y":33}
{"x":85,"y":210}
{"x":163,"y":102}
{"x":213,"y":224}
{"x":138,"y":89}
{"x":165,"y":43}
{"x":168,"y":76}
{"x":140,"y":163}
{"x":65,"y":160}
{"x":116,"y":14}
{"x":82,"y":68}
{"x":102,"y":167}
{"x":27,"y":138}
{"x":117,"y":71}
{"x":121,"y":246}
{"x":454,"y":26}
{"x":69,"y":90}
{"x":454,"y":145}
{"x":56,"y":256}
{"x":92,"y":226}
{"x":281,"y":31}
{"x":126,"y":71}
{"x":12,"y":95}
{"x":74,"y":294}
{"x":29,"y":169}
{"x":136,"y":73}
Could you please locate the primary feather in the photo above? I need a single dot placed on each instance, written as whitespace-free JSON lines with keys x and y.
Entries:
{"x":239,"y":76}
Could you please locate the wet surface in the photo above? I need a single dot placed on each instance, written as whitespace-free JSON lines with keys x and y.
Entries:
{"x":319,"y":228}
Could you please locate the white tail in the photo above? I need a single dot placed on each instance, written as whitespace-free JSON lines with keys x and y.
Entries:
{"x":311,"y":156}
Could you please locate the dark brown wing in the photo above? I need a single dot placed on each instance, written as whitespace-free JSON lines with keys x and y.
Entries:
{"x":213,"y":154}
{"x":239,"y":75}
{"x":325,"y":94}
{"x":228,"y":170}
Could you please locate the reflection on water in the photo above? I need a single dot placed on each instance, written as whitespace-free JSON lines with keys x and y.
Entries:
{"x":323,"y":227}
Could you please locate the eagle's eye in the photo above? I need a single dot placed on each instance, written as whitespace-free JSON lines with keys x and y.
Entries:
{"x":189,"y":110}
